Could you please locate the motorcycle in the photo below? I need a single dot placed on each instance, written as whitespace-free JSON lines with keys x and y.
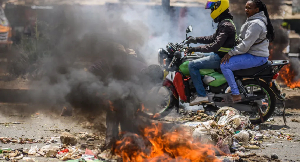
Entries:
{"x":258,"y":87}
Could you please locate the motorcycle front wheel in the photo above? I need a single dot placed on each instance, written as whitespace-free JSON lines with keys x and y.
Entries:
{"x":159,"y":103}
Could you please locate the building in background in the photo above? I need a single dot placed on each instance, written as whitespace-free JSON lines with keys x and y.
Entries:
{"x":296,"y":6}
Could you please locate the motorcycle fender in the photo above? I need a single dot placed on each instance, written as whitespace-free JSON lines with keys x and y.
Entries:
{"x":179,"y":86}
{"x":277,"y":91}
{"x":170,"y":85}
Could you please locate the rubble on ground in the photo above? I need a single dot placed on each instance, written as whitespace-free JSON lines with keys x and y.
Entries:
{"x":68,"y":138}
{"x":66,"y":147}
{"x":198,"y":115}
{"x":234,"y":135}
{"x":227,"y":129}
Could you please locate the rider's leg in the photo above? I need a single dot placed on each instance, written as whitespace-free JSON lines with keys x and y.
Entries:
{"x":238,"y":62}
{"x":211,"y":61}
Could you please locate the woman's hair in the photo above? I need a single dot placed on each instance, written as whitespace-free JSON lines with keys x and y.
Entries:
{"x":262,"y":7}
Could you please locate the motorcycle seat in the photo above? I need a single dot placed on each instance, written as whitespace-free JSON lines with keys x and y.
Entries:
{"x":194,"y":57}
{"x":257,"y":71}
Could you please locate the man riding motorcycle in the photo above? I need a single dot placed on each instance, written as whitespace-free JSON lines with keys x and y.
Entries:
{"x":222,"y":41}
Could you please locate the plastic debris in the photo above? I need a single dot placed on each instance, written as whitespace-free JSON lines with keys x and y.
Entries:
{"x":33,"y":150}
{"x":63,"y":151}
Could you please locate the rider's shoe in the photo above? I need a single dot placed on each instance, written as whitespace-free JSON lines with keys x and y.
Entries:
{"x":199,"y":100}
{"x":236,"y":98}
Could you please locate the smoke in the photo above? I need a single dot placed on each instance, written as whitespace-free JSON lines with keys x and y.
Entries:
{"x":80,"y":55}
{"x":88,"y":34}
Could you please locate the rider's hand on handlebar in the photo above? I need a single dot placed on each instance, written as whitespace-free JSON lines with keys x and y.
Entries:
{"x":190,"y":50}
{"x":191,"y":40}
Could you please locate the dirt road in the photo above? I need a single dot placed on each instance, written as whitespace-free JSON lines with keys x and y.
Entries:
{"x":43,"y":124}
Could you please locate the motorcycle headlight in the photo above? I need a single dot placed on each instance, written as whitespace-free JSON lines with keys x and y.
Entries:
{"x":162,"y":54}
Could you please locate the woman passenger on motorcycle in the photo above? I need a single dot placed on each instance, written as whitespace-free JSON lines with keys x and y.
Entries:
{"x":252,"y":50}
{"x":219,"y":43}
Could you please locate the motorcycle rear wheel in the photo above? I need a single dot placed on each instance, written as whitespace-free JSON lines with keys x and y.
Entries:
{"x":269,"y":102}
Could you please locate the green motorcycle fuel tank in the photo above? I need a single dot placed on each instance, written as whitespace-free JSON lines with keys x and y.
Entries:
{"x":211,"y":77}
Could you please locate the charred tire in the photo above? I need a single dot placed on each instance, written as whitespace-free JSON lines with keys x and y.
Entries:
{"x":271,"y":99}
{"x":171,"y":101}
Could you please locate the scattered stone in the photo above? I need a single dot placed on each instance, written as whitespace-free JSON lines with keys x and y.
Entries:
{"x":242,"y":136}
{"x":274,"y":156}
{"x":295,"y":120}
{"x":90,"y":139}
{"x":17,"y":158}
{"x":51,"y":153}
{"x":252,"y":147}
{"x":258,"y":158}
{"x":83,"y":146}
{"x":68,"y":139}
{"x":245,"y":155}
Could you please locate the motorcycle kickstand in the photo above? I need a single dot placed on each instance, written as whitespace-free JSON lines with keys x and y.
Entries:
{"x":283,"y":113}
{"x":260,"y":114}
{"x":177,"y":107}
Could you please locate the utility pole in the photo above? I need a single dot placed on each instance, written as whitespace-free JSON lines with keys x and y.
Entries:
{"x":166,"y":6}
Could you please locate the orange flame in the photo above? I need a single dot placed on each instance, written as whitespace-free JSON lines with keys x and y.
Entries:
{"x":288,"y":76}
{"x":143,"y":108}
{"x":154,"y":146}
{"x":111,"y":107}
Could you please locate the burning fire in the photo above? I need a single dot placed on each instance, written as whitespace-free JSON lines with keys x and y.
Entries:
{"x":111,"y":107}
{"x":154,"y":146}
{"x":288,"y":75}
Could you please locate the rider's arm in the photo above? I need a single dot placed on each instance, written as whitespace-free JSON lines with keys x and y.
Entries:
{"x":252,"y":34}
{"x":218,"y":42}
{"x":206,"y":39}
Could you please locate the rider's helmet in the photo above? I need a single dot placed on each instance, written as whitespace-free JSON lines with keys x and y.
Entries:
{"x":217,"y":7}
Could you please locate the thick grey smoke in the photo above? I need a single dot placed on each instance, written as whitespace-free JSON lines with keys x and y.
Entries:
{"x":164,"y":28}
{"x":75,"y":37}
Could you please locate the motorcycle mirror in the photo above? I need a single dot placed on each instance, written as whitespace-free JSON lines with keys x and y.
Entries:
{"x":177,"y":54}
{"x":189,"y":29}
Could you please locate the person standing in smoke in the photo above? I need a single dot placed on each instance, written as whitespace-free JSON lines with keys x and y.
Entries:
{"x":121,"y":110}
{"x":218,"y":44}
{"x":252,"y":51}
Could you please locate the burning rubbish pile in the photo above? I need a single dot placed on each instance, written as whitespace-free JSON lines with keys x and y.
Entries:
{"x":229,"y":135}
{"x":154,"y":145}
